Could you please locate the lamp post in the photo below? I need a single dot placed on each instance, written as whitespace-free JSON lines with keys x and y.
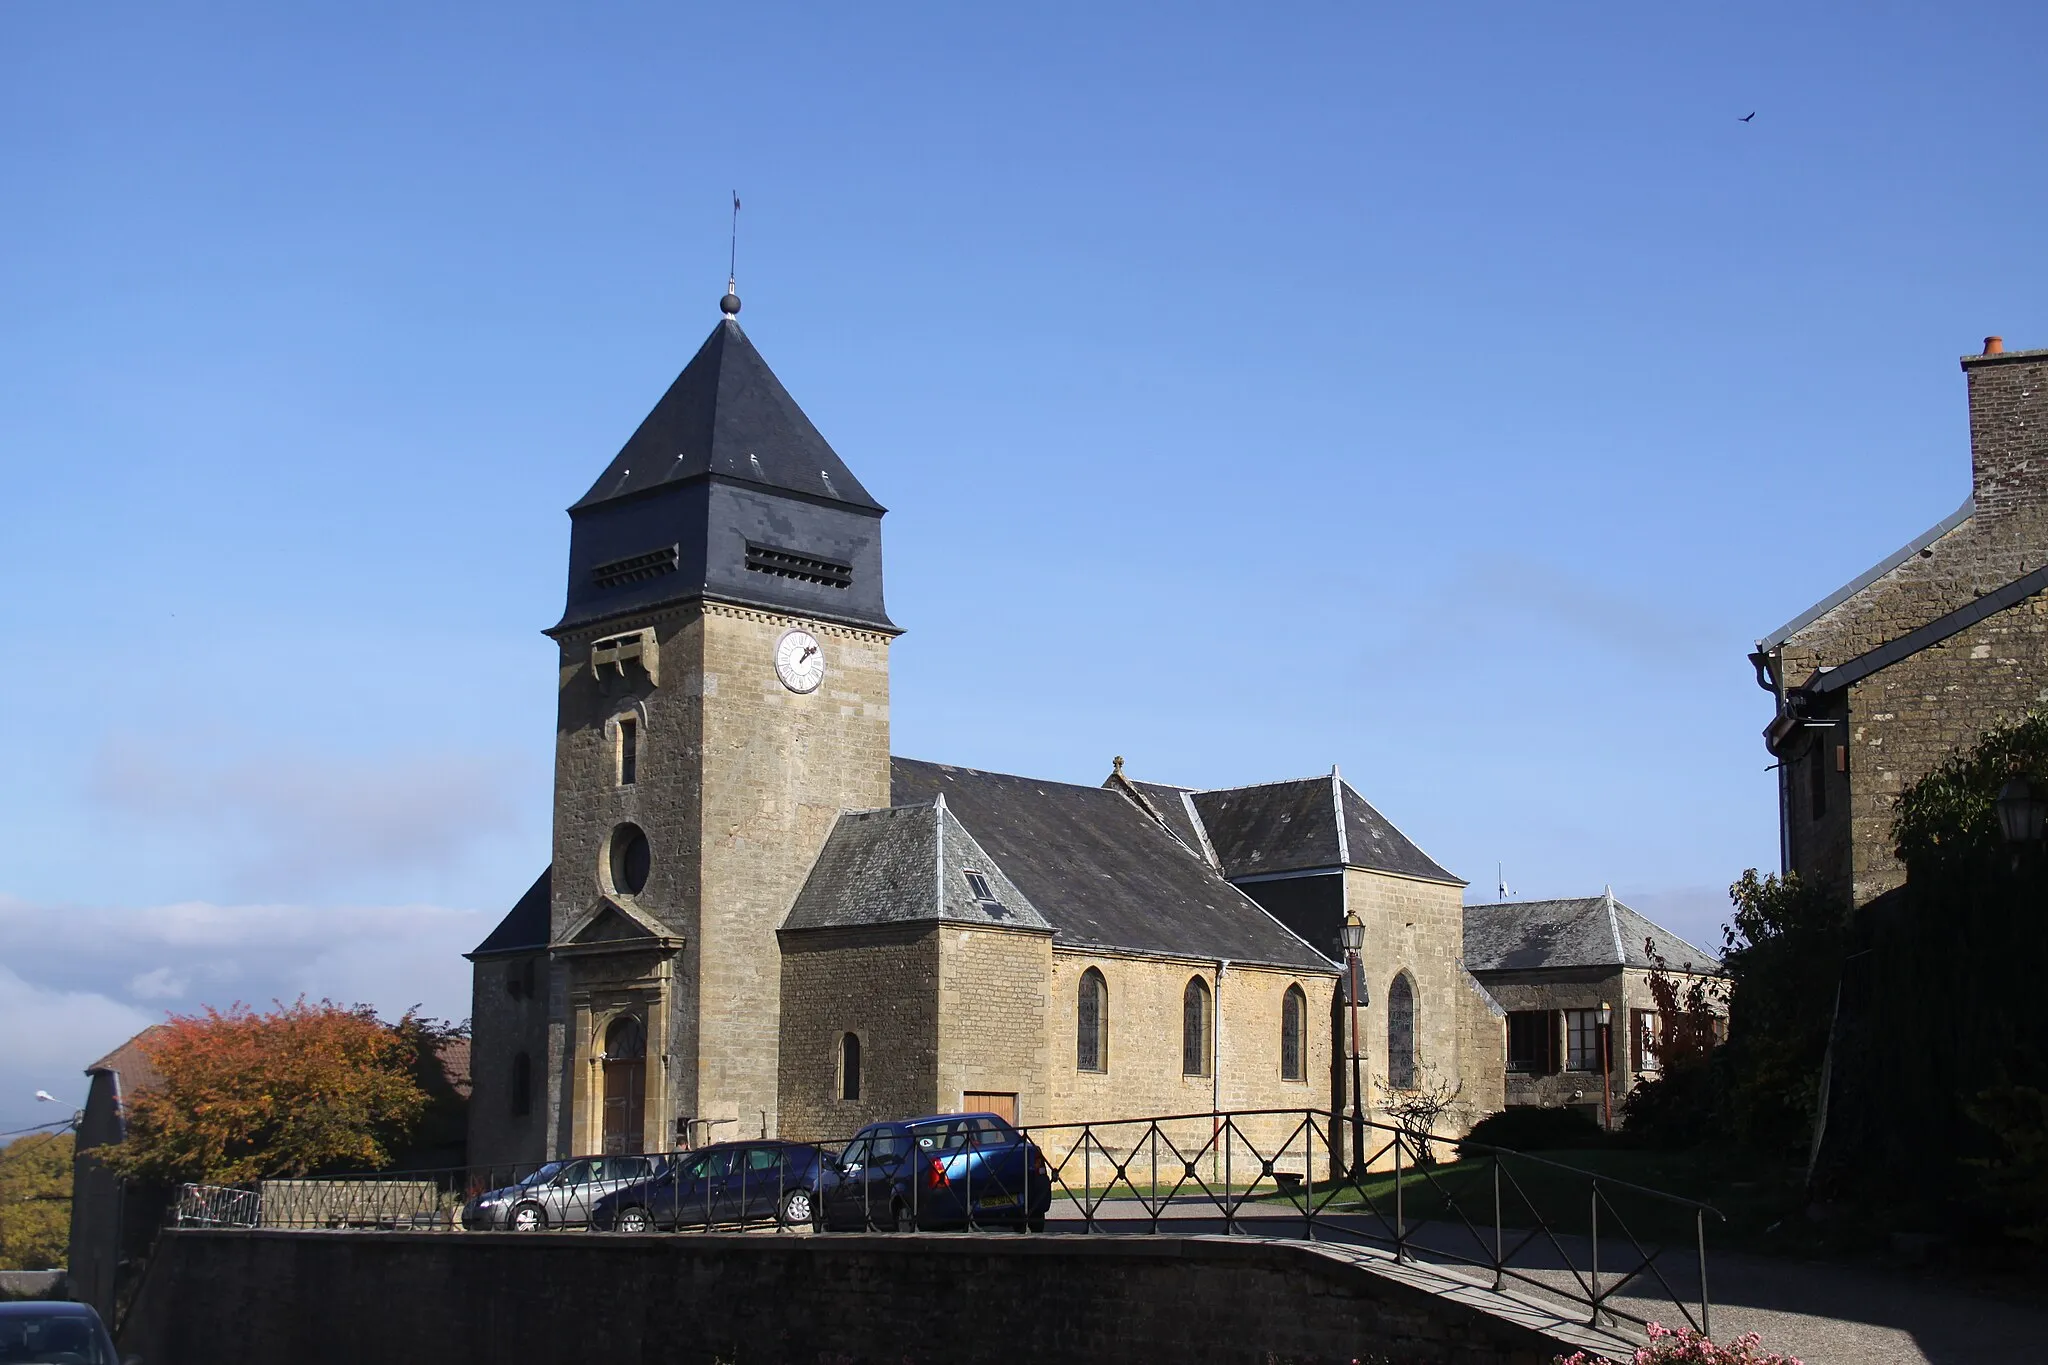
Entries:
{"x":1354,"y":940}
{"x":2021,"y":811}
{"x":1606,"y":1067}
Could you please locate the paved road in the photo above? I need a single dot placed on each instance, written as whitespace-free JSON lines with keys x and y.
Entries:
{"x":1826,"y":1314}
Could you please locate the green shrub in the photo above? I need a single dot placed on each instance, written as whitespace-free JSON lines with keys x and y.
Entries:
{"x":1527,"y":1128}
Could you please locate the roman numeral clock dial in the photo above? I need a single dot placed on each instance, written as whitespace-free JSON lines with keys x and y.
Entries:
{"x":799,"y":661}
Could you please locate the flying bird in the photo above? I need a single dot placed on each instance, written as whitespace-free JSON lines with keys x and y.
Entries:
{"x":1747,"y":117}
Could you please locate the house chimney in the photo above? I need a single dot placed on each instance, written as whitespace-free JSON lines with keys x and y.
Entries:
{"x":2008,"y":431}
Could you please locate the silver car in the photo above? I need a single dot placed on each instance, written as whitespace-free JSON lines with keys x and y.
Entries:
{"x":558,"y":1195}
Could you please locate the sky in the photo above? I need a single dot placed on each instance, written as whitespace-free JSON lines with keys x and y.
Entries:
{"x":1449,"y":393}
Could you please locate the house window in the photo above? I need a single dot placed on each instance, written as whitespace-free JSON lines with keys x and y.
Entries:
{"x":1646,"y":1035}
{"x":1401,"y":1033}
{"x":1091,"y":1034}
{"x":1582,"y":1041}
{"x":1293,"y":1033}
{"x":1194,"y":1028}
{"x":522,"y":1085}
{"x":629,"y":751}
{"x":1532,"y":1042}
{"x":849,"y":1067}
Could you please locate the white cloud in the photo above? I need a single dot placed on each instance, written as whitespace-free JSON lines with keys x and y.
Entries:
{"x":81,"y":979}
{"x":52,"y":1036}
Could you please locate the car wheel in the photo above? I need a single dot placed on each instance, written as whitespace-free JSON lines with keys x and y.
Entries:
{"x":1035,"y":1223}
{"x":797,"y":1207}
{"x":635,"y":1220}
{"x":899,"y":1219}
{"x":528,"y":1218}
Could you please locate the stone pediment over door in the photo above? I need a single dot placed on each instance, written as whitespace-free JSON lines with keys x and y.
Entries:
{"x":609,"y":926}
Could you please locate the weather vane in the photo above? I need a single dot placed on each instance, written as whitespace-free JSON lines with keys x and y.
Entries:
{"x":730,"y":304}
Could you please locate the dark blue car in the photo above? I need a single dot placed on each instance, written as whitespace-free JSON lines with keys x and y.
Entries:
{"x":946,"y":1171}
{"x":731,"y":1182}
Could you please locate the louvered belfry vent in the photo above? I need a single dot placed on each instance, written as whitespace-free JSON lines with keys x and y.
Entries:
{"x":636,"y":568}
{"x":805,"y":568}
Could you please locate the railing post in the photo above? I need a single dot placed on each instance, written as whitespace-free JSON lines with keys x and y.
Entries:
{"x":1153,"y":1204}
{"x":1308,"y":1176}
{"x":1229,"y":1208}
{"x":1087,"y":1176}
{"x":1499,"y":1260}
{"x":1400,"y":1220}
{"x":1706,"y":1311}
{"x":1594,"y":1321}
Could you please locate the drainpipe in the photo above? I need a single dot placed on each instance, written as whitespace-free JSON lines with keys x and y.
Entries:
{"x":1216,"y":1065}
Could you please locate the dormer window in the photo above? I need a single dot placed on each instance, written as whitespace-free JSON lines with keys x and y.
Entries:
{"x":984,"y":894}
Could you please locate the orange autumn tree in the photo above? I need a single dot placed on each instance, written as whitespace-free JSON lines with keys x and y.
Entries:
{"x":301,"y":1089}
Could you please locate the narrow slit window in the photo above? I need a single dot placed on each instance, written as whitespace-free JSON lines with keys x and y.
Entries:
{"x":629,"y":751}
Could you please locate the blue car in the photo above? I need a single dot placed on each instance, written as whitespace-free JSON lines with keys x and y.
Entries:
{"x":61,"y":1333}
{"x":946,"y":1171}
{"x":730,"y":1182}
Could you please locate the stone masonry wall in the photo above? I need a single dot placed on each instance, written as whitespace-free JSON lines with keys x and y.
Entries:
{"x":1904,"y":720}
{"x":508,"y":1020}
{"x":880,"y":984}
{"x":778,"y":769}
{"x":1143,"y":1073}
{"x":234,"y":1298}
{"x":992,"y":1027}
{"x":1417,"y":927}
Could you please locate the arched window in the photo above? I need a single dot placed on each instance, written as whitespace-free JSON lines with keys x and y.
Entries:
{"x":1194,"y":1028}
{"x":849,"y":1067}
{"x":522,"y":1085}
{"x":1401,"y":1033}
{"x":1293,"y":1034}
{"x":1091,"y":1032}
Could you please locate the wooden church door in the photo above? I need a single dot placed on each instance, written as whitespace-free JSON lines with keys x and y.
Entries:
{"x":625,"y":1086}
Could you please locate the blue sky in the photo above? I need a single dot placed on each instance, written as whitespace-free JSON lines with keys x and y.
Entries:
{"x":1450,"y":393}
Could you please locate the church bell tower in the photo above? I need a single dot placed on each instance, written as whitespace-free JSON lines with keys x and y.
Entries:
{"x":723,"y":694}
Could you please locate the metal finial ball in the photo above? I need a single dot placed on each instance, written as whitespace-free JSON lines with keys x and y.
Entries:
{"x":730,"y":304}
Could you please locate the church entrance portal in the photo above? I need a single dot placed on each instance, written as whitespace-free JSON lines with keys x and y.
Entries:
{"x":625,"y":1085}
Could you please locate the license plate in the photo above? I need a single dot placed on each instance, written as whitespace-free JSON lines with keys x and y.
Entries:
{"x":991,"y":1201}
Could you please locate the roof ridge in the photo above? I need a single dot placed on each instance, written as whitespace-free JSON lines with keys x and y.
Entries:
{"x":1869,"y":576}
{"x":1430,"y":857}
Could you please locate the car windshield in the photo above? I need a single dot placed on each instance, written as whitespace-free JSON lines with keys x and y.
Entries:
{"x":544,"y":1174}
{"x":50,"y":1339}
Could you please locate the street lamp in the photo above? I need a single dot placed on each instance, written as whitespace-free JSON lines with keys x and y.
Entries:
{"x":1606,"y":1068}
{"x":2021,"y":811}
{"x":1354,"y":940}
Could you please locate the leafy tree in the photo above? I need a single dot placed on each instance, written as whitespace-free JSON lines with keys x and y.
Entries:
{"x":1948,"y":817}
{"x":301,"y":1089}
{"x":1676,"y":1106}
{"x":1783,"y":953}
{"x":35,"y":1201}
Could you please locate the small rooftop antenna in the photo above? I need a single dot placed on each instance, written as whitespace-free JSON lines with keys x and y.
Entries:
{"x":1501,"y":876}
{"x":730,"y":304}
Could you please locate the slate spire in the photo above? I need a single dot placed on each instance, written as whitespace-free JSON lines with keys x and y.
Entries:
{"x":726,"y":492}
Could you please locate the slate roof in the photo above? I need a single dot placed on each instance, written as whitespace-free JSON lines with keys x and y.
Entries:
{"x":1589,"y":931}
{"x":901,"y":865}
{"x":1292,"y":827}
{"x":1171,"y":805}
{"x":727,"y":414}
{"x":526,"y":926}
{"x":1100,"y":870}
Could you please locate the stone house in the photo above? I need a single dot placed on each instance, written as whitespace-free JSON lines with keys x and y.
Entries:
{"x":1552,"y":965}
{"x":759,"y":921}
{"x":1947,"y":636}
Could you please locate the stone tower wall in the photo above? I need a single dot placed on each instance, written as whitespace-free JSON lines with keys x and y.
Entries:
{"x":778,"y":767}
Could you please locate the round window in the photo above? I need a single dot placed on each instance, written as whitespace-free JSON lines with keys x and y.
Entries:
{"x":630,"y":860}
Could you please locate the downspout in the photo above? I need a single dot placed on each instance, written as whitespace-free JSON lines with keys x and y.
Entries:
{"x":1770,"y":676}
{"x":1216,"y":1049}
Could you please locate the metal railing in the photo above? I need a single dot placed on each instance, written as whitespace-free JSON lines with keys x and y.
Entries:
{"x":1566,"y":1233}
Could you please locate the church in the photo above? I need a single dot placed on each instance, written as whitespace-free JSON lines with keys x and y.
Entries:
{"x":757,"y":921}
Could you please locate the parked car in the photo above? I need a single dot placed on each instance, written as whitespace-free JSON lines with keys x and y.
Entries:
{"x":560,"y":1194}
{"x":730,"y":1182}
{"x":52,"y":1333}
{"x":944,"y":1171}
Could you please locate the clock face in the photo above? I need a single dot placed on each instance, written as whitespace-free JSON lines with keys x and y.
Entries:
{"x":799,"y":661}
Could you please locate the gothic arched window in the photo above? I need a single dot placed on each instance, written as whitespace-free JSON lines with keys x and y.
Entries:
{"x":1401,"y":1033}
{"x":1195,"y":1028}
{"x":1293,"y":1033}
{"x":1091,"y":1023}
{"x":849,"y":1067}
{"x":522,"y":1085}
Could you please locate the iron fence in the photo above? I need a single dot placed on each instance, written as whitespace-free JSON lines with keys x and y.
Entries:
{"x":1558,"y":1233}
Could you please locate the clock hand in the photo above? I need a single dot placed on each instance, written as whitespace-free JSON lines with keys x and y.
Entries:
{"x":808,"y":652}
